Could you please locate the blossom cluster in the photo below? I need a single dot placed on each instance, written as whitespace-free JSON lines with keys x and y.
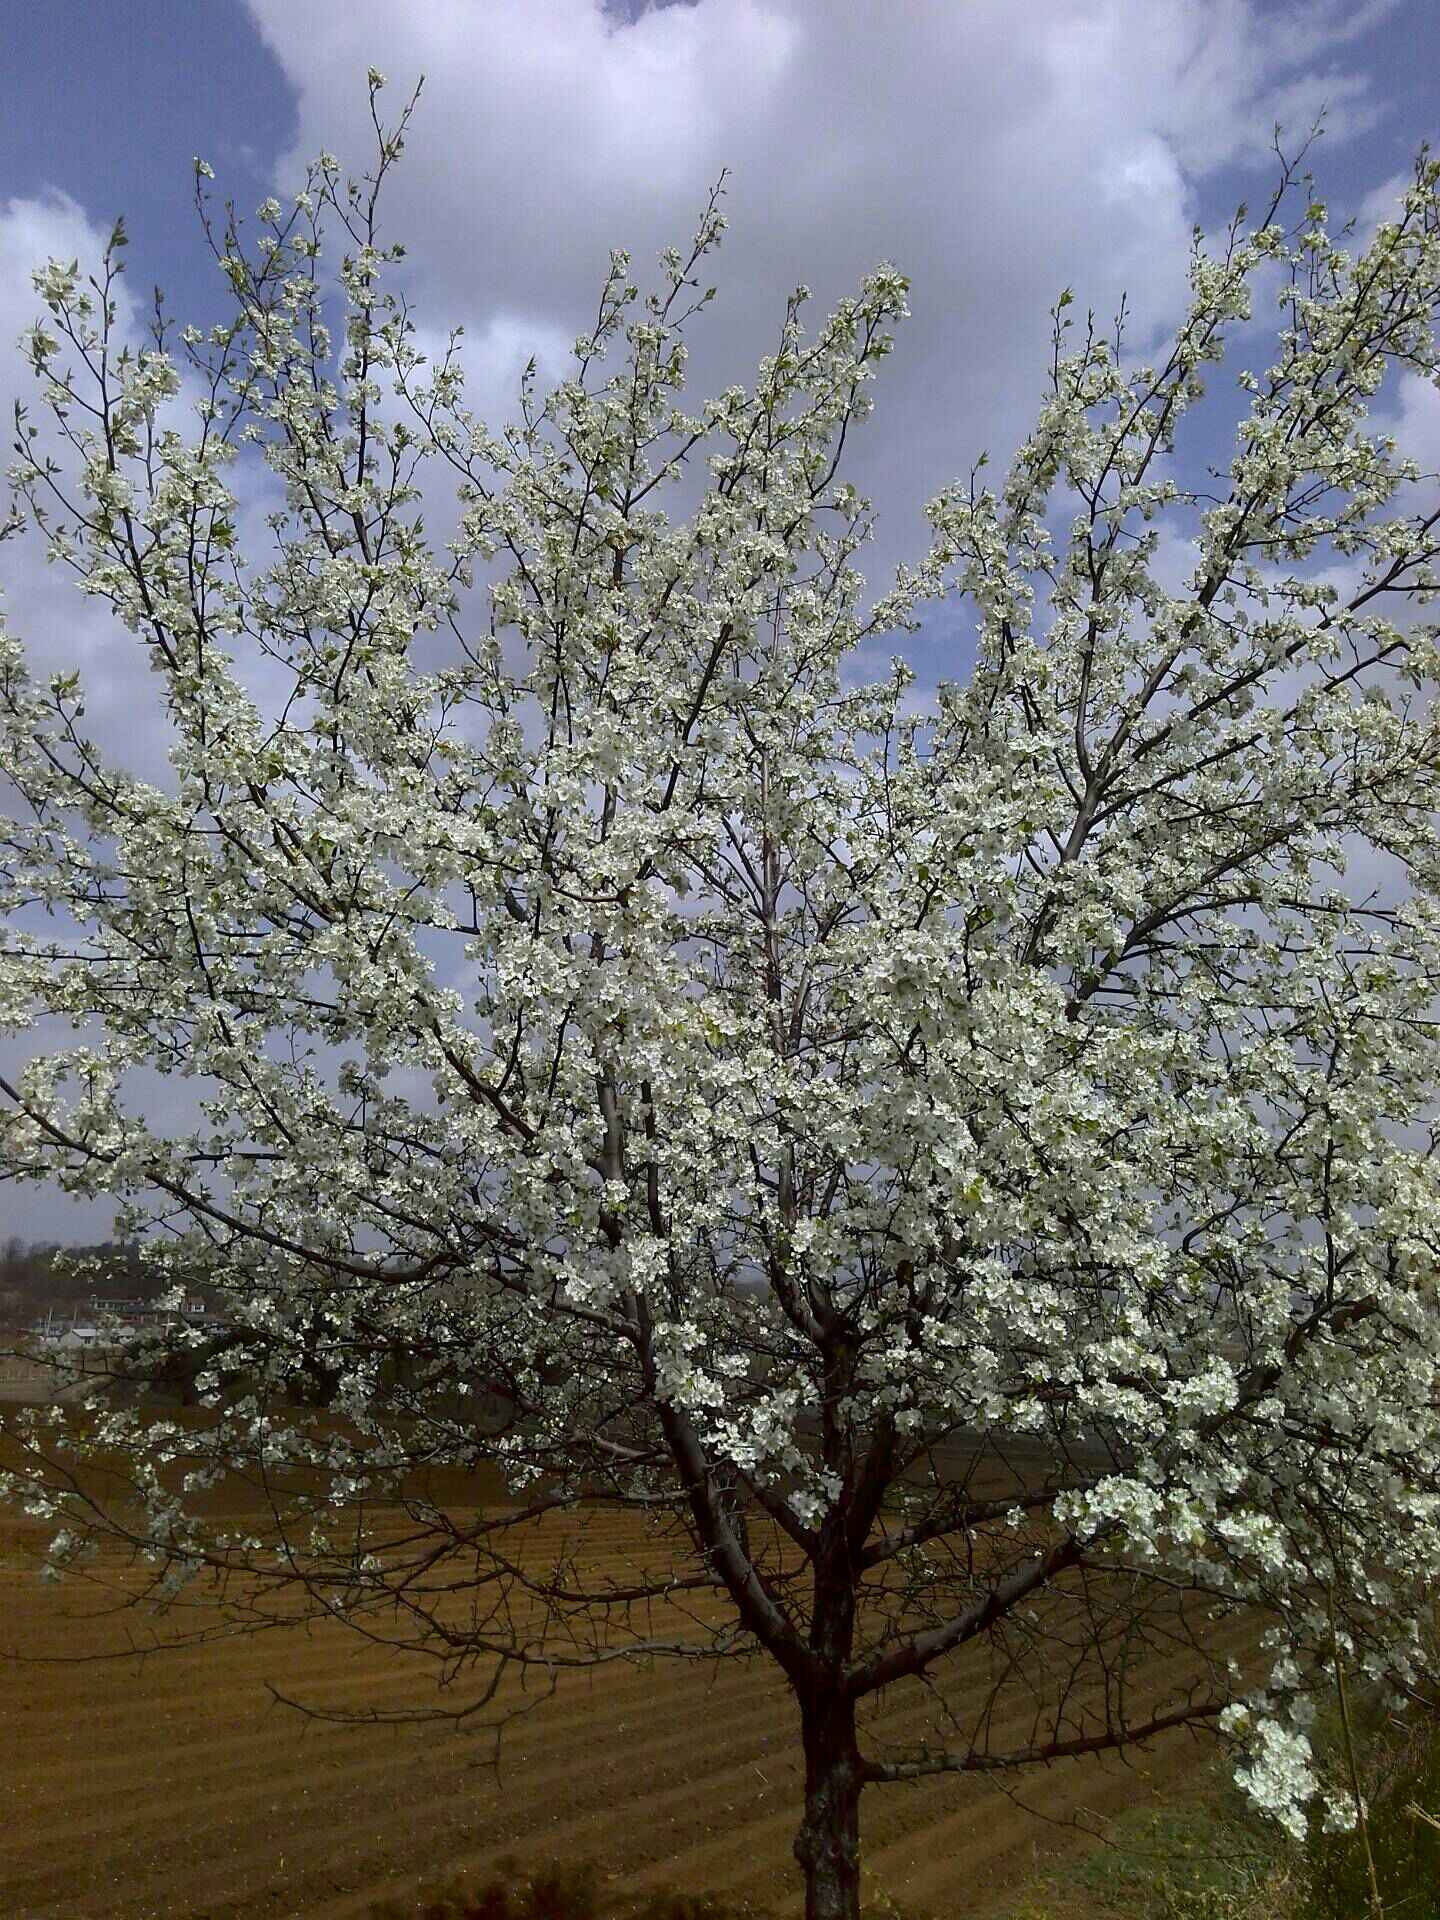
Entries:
{"x":631,"y":1010}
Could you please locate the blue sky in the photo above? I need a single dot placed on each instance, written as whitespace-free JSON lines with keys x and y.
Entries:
{"x":111,"y":110}
{"x":994,"y":166}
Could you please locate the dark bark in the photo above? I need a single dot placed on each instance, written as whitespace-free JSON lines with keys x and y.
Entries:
{"x":828,"y":1843}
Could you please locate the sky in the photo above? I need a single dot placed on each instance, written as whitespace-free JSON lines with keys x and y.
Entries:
{"x":995,"y":167}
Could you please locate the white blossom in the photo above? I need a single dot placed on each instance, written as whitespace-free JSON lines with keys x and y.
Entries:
{"x":621,"y":1004}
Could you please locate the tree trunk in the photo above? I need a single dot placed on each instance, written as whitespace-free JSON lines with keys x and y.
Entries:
{"x":828,"y":1843}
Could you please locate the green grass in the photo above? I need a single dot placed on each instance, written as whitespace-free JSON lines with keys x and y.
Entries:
{"x":1400,"y":1770}
{"x":1207,"y":1858}
{"x":1214,"y":1858}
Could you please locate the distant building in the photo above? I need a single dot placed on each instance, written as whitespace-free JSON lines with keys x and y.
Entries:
{"x":108,"y":1321}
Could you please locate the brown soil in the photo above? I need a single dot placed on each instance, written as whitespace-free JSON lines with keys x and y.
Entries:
{"x":174,"y":1785}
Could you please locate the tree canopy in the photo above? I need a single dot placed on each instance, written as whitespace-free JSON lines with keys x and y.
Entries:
{"x":598,"y":991}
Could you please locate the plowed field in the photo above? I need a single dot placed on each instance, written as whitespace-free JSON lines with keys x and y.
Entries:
{"x":176,"y":1786}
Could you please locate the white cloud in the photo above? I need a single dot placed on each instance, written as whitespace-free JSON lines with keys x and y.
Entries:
{"x":33,"y":230}
{"x":60,"y":627}
{"x":1415,"y":421}
{"x":993,"y":166}
{"x":63,"y":629}
{"x":1379,"y":204}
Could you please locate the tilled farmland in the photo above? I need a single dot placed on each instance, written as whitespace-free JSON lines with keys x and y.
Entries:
{"x":177,"y":1786}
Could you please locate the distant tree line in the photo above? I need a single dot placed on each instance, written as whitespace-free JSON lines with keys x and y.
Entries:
{"x":44,"y":1274}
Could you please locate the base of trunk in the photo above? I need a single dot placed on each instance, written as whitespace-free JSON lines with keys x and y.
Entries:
{"x":828,"y":1843}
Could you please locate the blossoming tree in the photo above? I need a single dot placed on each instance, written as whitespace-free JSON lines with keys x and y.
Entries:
{"x":598,"y":996}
